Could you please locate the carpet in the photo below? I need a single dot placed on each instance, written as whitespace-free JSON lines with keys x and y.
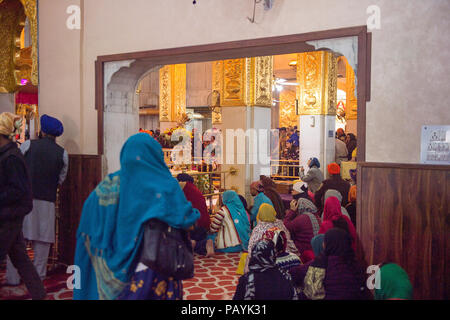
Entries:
{"x":215,"y":278}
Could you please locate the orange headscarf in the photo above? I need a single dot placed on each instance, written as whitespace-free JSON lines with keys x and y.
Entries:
{"x":352,"y":194}
{"x":333,"y":168}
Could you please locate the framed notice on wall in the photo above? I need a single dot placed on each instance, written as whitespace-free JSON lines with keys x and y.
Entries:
{"x":435,"y":145}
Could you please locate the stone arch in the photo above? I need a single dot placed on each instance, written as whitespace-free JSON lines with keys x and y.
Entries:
{"x":121,"y":109}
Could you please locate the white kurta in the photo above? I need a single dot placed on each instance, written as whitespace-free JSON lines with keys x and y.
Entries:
{"x":39,"y":224}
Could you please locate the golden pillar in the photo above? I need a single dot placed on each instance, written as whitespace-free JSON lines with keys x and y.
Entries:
{"x":351,"y":105}
{"x":172,"y":93}
{"x":317,"y":78}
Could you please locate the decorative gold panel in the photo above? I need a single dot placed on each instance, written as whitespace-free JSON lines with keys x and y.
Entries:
{"x":172,"y":92}
{"x":317,"y":76}
{"x":12,"y":21}
{"x":288,"y":117}
{"x":244,"y":82}
{"x":234,"y":83}
{"x":217,"y":76}
{"x":31,"y":13}
{"x":351,"y":106}
{"x":263,"y":81}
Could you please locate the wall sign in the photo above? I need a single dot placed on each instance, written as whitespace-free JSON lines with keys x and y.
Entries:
{"x":435,"y":145}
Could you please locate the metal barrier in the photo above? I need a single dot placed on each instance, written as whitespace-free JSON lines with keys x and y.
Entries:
{"x":285,"y":169}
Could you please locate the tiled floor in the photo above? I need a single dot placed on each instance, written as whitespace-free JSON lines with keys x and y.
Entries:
{"x":215,"y":279}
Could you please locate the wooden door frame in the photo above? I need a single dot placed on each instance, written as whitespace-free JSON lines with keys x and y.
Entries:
{"x":250,"y":48}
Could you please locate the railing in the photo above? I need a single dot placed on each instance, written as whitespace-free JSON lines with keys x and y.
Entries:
{"x":284,"y":169}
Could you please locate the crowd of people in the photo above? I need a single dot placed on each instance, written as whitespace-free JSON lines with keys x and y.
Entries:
{"x":306,"y":251}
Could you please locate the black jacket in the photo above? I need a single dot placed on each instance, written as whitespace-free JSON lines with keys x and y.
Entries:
{"x":16,"y":199}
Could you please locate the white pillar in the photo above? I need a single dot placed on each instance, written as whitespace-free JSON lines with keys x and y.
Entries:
{"x":317,"y":140}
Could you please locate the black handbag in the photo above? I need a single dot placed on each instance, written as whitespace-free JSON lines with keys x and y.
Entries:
{"x":167,"y":250}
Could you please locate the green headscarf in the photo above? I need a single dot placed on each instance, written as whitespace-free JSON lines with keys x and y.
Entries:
{"x":394,"y":283}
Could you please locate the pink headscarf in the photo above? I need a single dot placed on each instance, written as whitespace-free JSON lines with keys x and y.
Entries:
{"x":331,"y":212}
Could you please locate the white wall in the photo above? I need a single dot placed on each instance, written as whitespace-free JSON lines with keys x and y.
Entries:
{"x":409,"y":58}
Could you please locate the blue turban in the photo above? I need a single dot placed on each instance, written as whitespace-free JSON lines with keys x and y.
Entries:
{"x":184,"y":177}
{"x":51,"y":126}
{"x":314,"y":162}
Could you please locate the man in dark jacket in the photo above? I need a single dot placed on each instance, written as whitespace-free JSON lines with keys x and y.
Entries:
{"x":47,"y":163}
{"x":334,"y":182}
{"x":15,"y":203}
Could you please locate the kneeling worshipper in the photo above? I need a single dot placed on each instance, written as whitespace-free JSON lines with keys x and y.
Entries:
{"x":303,"y":224}
{"x":334,"y":274}
{"x":198,"y":201}
{"x":338,"y":195}
{"x":111,"y":230}
{"x":230,"y":226}
{"x":266,"y":219}
{"x":257,"y":191}
{"x":265,"y":281}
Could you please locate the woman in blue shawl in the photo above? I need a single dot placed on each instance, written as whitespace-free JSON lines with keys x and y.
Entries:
{"x":230,"y":225}
{"x":110,"y":232}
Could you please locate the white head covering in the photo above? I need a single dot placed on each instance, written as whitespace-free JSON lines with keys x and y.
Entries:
{"x":298,"y":186}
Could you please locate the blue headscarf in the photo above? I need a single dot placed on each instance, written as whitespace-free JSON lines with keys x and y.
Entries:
{"x":317,"y":244}
{"x":314,"y":162}
{"x":111,"y":226}
{"x":51,"y":126}
{"x":234,"y":205}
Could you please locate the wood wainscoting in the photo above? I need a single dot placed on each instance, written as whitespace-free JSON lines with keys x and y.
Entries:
{"x":84,"y":174}
{"x":403,"y":217}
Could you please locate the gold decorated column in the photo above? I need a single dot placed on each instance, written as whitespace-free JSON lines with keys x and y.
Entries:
{"x":172,"y":92}
{"x":317,"y":78}
{"x":244,"y":82}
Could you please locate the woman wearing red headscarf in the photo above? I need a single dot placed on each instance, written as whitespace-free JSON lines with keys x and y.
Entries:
{"x":333,"y":218}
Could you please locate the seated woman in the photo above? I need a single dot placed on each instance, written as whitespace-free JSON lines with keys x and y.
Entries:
{"x":394,"y":283}
{"x":230,"y":226}
{"x":333,"y":218}
{"x":265,"y":281}
{"x":303,"y":224}
{"x":285,"y":260}
{"x":266,"y":219}
{"x":338,"y":195}
{"x":334,"y":274}
{"x":111,"y":228}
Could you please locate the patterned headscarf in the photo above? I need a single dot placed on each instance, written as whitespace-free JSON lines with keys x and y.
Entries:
{"x":304,"y":205}
{"x":10,"y":125}
{"x":278,"y":237}
{"x":263,"y":258}
{"x":333,"y":193}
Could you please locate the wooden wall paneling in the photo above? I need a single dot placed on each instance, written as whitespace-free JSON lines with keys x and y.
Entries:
{"x":402,"y":218}
{"x":83,"y":176}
